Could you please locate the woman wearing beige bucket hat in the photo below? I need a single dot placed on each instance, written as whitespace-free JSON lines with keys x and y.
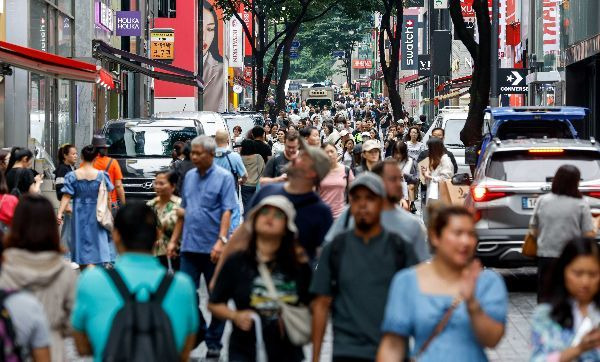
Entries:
{"x":260,"y":294}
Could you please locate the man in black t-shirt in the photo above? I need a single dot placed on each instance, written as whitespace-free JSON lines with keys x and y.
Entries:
{"x":259,"y":137}
{"x":274,"y":169}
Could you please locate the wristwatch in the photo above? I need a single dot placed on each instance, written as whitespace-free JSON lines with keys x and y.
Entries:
{"x":223,"y":239}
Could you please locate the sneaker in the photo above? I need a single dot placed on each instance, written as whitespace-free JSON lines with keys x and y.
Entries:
{"x":213,"y":354}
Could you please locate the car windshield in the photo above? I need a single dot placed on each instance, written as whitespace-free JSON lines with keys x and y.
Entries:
{"x":145,"y":141}
{"x":523,"y":166}
{"x":522,"y":129}
{"x":246,"y":122}
{"x":452,"y":132}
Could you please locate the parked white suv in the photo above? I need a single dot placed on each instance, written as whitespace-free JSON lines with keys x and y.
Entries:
{"x":452,"y":120}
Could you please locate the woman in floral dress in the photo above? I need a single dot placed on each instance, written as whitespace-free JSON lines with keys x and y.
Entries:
{"x":166,"y":206}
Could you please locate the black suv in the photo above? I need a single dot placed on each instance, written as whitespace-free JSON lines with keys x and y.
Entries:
{"x":143,"y":147}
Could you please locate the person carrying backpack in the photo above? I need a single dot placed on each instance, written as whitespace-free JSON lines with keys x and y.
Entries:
{"x":346,"y":282}
{"x":137,"y":311}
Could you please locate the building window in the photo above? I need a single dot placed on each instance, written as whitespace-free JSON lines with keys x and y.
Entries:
{"x":167,"y":8}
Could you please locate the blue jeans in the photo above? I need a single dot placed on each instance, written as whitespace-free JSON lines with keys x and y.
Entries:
{"x":195,"y":265}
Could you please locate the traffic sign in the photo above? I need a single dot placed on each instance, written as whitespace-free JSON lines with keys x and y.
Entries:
{"x":512,"y":81}
{"x":294,"y":54}
{"x":295,"y":44}
{"x":338,"y":53}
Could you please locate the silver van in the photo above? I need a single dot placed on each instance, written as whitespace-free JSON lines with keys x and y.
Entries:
{"x":211,"y":121}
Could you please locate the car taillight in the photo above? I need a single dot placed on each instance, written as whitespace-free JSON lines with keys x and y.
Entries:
{"x":547,"y":151}
{"x":483,"y":194}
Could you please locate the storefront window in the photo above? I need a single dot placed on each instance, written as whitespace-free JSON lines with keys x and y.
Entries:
{"x":65,"y":36}
{"x":38,"y":25}
{"x":65,"y":127}
{"x":37,"y":113}
{"x":580,"y":20}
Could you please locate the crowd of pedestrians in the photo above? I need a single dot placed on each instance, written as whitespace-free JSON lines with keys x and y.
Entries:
{"x":306,"y":221}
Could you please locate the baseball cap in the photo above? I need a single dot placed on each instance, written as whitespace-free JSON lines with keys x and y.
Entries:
{"x":418,"y":121}
{"x":370,"y":144}
{"x":319,"y":158}
{"x":365,"y":134}
{"x":371,"y":181}
{"x":343,"y":133}
{"x":280,"y":202}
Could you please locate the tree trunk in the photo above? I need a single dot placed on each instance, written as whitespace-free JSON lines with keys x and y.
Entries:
{"x":391,"y":70}
{"x":285,"y":72}
{"x":479,"y":91}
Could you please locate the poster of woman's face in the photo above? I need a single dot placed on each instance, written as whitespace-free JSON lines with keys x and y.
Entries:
{"x":212,"y":58}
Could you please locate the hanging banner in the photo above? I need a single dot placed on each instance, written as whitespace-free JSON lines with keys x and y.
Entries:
{"x":466,"y":7}
{"x":214,"y":74}
{"x":551,"y":27}
{"x":236,"y":41}
{"x":247,"y":18}
{"x":425,"y":65}
{"x":410,"y":42}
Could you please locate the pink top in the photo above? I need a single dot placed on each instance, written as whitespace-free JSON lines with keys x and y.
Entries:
{"x":333,"y":190}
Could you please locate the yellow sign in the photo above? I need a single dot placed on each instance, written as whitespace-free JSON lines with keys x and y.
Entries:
{"x":162,"y":44}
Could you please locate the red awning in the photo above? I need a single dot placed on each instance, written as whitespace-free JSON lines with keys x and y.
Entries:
{"x":53,"y":65}
{"x":408,"y":78}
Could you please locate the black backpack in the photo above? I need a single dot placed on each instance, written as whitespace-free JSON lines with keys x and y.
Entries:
{"x":141,"y":331}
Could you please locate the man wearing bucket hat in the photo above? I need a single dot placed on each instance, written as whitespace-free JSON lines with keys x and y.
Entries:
{"x":346,"y":281}
{"x":313,"y":216}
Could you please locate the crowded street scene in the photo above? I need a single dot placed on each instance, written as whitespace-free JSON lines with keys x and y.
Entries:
{"x":299,"y":180}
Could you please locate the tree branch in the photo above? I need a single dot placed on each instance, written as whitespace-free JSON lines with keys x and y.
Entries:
{"x":461,"y":28}
{"x":331,"y":6}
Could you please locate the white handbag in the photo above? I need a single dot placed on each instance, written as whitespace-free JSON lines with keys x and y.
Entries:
{"x":103,"y":212}
{"x":297,"y":320}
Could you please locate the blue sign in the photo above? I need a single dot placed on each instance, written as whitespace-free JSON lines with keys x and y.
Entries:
{"x":338,"y":53}
{"x":294,"y":55}
{"x":129,"y":23}
{"x":295,"y":44}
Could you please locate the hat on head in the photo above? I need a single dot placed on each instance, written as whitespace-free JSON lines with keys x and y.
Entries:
{"x":371,"y":181}
{"x":280,"y":202}
{"x":99,"y":141}
{"x":319,"y":158}
{"x":343,"y":133}
{"x":370,"y":145}
{"x":366,"y":134}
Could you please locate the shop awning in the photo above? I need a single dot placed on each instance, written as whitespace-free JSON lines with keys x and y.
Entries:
{"x":455,"y":83}
{"x":407,"y":78}
{"x":139,"y":64}
{"x":417,"y":82}
{"x":53,"y":65}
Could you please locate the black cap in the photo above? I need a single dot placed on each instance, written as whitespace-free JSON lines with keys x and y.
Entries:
{"x":99,"y":141}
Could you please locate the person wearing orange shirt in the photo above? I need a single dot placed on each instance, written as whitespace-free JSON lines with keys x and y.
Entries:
{"x":111,"y":166}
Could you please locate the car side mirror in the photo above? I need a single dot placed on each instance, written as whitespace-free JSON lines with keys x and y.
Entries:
{"x":461,"y":179}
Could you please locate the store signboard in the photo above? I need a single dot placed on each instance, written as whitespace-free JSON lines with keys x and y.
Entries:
{"x":410,"y":42}
{"x":512,"y":81}
{"x":424,"y":65}
{"x":551,"y":26}
{"x":440,"y":4}
{"x":162,"y":44}
{"x":129,"y":23}
{"x":362,"y":64}
{"x":236,"y":43}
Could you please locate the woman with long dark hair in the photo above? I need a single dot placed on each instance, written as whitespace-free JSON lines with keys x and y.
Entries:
{"x":91,"y":244}
{"x":8,"y":203}
{"x":67,"y":157}
{"x":33,"y":261}
{"x":20,"y":178}
{"x":413,"y":142}
{"x":272,"y":244}
{"x":212,"y":75}
{"x":559,"y":216}
{"x":255,"y":165}
{"x":566,"y":328}
{"x":439,"y":170}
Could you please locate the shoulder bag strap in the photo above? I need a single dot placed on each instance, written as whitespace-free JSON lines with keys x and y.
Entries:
{"x":439,"y":328}
{"x":108,"y":166}
{"x":265,"y":274}
{"x":163,"y":288}
{"x":119,"y":284}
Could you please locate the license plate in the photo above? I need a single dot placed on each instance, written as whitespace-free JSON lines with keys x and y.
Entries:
{"x":528,"y":203}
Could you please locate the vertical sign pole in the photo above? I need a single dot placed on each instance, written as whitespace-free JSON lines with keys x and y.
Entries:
{"x":494,"y":50}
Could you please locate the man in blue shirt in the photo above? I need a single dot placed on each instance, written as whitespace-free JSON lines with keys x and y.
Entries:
{"x":208,"y":199}
{"x":97,"y":299}
{"x":232,"y":162}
